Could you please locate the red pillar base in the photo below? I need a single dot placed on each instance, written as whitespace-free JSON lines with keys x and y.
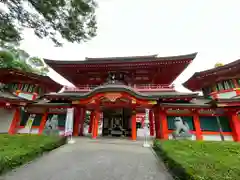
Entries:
{"x":197,"y":126}
{"x":134,"y":127}
{"x":95,"y":124}
{"x":161,"y":125}
{"x":43,"y":122}
{"x":15,"y":122}
{"x":235,"y":127}
{"x":157,"y":123}
{"x":77,"y":119}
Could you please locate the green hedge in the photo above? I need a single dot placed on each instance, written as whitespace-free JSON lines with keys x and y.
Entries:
{"x":200,"y":160}
{"x":16,"y":150}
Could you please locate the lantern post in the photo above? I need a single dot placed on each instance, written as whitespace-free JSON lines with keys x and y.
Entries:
{"x":146,"y":144}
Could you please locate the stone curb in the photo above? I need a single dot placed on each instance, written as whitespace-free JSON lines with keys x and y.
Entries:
{"x":162,"y":165}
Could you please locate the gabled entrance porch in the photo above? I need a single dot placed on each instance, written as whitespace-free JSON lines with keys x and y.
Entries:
{"x":118,"y":112}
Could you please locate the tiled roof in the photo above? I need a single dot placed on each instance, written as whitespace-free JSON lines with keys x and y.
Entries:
{"x":198,"y":79}
{"x":14,"y":75}
{"x":121,"y":59}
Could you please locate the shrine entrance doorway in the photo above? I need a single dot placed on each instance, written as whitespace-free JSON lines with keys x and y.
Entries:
{"x":117,"y":122}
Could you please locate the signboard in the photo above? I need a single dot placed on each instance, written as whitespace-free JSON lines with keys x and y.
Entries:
{"x":35,"y":110}
{"x":27,"y":96}
{"x":146,"y":121}
{"x":145,"y":144}
{"x":29,"y":123}
{"x":57,"y":110}
{"x":69,"y":122}
{"x":227,"y":95}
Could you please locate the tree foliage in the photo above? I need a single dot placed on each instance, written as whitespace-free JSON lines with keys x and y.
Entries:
{"x":35,"y":61}
{"x":6,"y":59}
{"x":9,"y":60}
{"x":17,"y":52}
{"x":218,"y":64}
{"x":73,"y":20}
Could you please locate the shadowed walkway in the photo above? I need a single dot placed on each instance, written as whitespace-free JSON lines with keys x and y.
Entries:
{"x":103,"y":159}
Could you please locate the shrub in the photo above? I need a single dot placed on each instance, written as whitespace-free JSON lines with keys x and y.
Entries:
{"x":16,"y":150}
{"x":200,"y":160}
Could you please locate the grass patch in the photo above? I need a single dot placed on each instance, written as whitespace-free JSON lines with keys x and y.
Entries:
{"x":16,"y":150}
{"x":200,"y":160}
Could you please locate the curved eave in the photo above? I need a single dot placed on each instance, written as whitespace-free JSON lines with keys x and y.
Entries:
{"x":14,"y":100}
{"x":187,"y":105}
{"x":21,"y":76}
{"x":198,"y":80}
{"x":113,"y":60}
{"x":50,"y":105}
{"x":221,"y":103}
{"x":91,"y":59}
{"x":120,"y":88}
{"x":192,"y":83}
{"x":228,"y":66}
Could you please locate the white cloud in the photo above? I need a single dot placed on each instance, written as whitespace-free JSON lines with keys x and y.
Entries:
{"x":139,"y":27}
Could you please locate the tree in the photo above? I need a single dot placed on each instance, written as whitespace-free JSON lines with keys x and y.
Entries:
{"x":16,"y":52}
{"x":35,"y":61}
{"x":6,"y":59}
{"x":44,"y":70}
{"x":9,"y":60}
{"x":39,"y":65}
{"x":72,"y":20}
{"x":218,"y":64}
{"x":20,"y":54}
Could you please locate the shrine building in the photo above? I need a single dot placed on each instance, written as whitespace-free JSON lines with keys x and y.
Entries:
{"x":113,"y":95}
{"x":17,"y":90}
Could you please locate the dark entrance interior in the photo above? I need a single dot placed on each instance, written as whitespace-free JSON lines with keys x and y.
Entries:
{"x":117,"y":122}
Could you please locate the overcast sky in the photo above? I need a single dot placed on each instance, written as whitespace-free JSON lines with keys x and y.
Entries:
{"x":165,"y":27}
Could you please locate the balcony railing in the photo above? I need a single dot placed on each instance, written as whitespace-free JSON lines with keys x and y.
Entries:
{"x":136,"y":87}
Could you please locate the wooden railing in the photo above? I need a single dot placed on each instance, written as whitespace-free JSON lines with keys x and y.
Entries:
{"x":136,"y":87}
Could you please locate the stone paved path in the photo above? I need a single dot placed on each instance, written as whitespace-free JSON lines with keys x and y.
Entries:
{"x":103,"y":159}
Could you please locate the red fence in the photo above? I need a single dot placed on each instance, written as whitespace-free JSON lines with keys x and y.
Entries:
{"x":136,"y":87}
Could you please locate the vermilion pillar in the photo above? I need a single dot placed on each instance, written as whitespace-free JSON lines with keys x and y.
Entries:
{"x":151,"y":124}
{"x":82,"y":119}
{"x":157,"y":123}
{"x":134,"y":126}
{"x":235,"y":127}
{"x":91,"y":122}
{"x":95,"y":124}
{"x":77,"y":119}
{"x":197,"y":126}
{"x":15,"y":121}
{"x":43,"y":122}
{"x":163,"y":124}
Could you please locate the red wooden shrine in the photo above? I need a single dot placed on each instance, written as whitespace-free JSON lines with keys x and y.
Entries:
{"x":132,"y":85}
